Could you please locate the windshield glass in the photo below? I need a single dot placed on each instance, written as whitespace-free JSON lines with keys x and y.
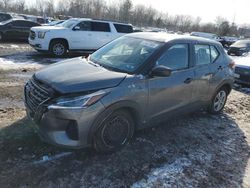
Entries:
{"x":125,"y":54}
{"x":241,"y":43}
{"x":67,"y":24}
{"x":5,"y":22}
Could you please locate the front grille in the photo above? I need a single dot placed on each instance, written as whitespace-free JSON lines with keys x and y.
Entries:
{"x":32,"y":35}
{"x":35,"y":95}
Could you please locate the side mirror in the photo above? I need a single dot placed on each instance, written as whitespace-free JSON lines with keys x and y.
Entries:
{"x":76,"y":28}
{"x":161,"y":71}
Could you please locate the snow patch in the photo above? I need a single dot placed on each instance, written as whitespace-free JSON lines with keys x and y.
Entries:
{"x":164,"y":176}
{"x":8,"y":64}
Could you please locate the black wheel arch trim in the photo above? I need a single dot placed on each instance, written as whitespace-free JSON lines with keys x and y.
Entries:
{"x":130,"y":106}
{"x":226,"y":83}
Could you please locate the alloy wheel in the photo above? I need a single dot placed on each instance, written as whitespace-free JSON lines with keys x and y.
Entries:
{"x":219,"y":100}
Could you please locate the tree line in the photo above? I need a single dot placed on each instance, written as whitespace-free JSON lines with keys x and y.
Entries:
{"x":124,"y":11}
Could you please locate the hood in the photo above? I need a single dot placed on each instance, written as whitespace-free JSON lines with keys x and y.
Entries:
{"x":47,"y":28}
{"x":243,"y":62}
{"x":77,"y":75}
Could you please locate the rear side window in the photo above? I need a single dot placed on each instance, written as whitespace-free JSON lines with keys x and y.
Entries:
{"x":100,"y":26}
{"x":202,"y":54}
{"x":120,"y":28}
{"x":176,"y":57}
{"x":205,"y":54}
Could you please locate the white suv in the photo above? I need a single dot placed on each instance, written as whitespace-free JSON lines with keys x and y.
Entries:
{"x":79,"y":34}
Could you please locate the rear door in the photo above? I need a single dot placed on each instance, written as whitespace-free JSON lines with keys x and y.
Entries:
{"x":206,"y":68}
{"x":91,"y":35}
{"x":81,"y":37}
{"x":101,"y":34}
{"x":173,"y":93}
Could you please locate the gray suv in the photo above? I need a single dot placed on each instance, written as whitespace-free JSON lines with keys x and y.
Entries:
{"x":133,"y":82}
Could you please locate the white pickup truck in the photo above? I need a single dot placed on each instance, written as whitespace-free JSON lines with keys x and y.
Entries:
{"x":76,"y":34}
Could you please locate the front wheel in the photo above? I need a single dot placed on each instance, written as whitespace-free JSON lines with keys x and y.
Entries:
{"x":58,"y":48}
{"x":114,"y":132}
{"x":218,"y":101}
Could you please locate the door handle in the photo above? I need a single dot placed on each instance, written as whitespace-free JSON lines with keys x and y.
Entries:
{"x":220,"y":68}
{"x":188,"y":80}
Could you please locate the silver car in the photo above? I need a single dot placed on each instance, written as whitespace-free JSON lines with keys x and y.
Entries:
{"x":133,"y":82}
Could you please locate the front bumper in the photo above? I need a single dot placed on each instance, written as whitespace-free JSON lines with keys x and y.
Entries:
{"x":67,"y":127}
{"x":39,"y":44}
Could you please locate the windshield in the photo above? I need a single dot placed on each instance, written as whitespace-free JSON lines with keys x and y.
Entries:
{"x":67,"y":24}
{"x":53,"y":23}
{"x":5,"y":22}
{"x":241,"y":43}
{"x":125,"y":54}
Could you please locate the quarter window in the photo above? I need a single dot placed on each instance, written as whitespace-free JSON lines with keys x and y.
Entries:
{"x":120,"y":28}
{"x":176,"y":57}
{"x":214,"y":53}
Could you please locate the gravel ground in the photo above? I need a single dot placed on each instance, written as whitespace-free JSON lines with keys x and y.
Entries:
{"x":197,"y":150}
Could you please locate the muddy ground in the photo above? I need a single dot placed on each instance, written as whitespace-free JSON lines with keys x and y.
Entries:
{"x":197,"y":150}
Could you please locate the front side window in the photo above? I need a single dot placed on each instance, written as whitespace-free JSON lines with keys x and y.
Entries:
{"x":100,"y":26}
{"x":84,"y":26}
{"x":202,"y":54}
{"x":176,"y":57}
{"x":125,"y":54}
{"x":68,"y":24}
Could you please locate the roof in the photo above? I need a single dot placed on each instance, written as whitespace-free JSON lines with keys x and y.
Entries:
{"x":165,"y":37}
{"x":98,"y":20}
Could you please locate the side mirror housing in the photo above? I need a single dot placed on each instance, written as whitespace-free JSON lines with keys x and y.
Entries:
{"x":161,"y":71}
{"x":76,"y":28}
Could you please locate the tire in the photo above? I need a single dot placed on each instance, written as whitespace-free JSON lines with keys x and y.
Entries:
{"x":58,"y":48}
{"x":218,"y":102}
{"x":114,"y":132}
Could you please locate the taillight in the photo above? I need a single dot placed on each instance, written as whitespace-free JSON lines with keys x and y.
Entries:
{"x":231,"y":64}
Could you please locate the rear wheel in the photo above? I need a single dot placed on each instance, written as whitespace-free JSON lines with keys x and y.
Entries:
{"x":58,"y":48}
{"x":114,"y":132}
{"x":219,"y":101}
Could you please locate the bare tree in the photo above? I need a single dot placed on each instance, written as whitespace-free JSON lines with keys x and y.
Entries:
{"x":125,"y":10}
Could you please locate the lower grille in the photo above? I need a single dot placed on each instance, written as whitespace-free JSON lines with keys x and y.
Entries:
{"x":35,"y":95}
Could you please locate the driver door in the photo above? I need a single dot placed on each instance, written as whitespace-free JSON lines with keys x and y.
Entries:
{"x":168,"y":95}
{"x":82,"y":36}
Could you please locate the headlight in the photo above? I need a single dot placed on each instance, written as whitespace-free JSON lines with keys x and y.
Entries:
{"x":243,"y":49}
{"x":78,"y":102}
{"x":41,"y":34}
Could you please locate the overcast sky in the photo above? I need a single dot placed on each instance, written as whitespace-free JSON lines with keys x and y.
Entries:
{"x":208,"y":10}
